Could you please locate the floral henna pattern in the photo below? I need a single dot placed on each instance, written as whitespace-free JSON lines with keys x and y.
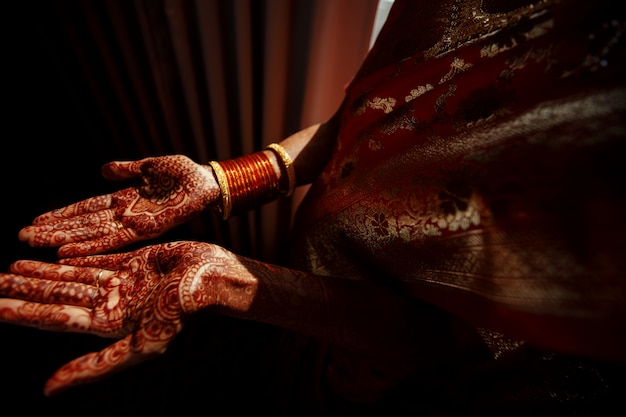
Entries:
{"x":90,"y":205}
{"x":160,"y":324}
{"x":136,"y":297}
{"x":63,"y":225}
{"x":143,"y":297}
{"x":172,"y":190}
{"x":46,"y":316}
{"x":90,"y":368}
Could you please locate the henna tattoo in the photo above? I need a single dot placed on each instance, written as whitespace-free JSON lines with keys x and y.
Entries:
{"x":143,"y":298}
{"x":164,"y":320}
{"x":41,"y":291}
{"x":137,"y":299}
{"x":90,"y":367}
{"x":49,"y":283}
{"x":173,"y":190}
{"x":44,"y":316}
{"x":220,"y":279}
{"x":80,"y":227}
{"x":90,"y":205}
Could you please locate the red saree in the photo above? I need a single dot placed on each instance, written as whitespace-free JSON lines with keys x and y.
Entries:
{"x":477,"y":169}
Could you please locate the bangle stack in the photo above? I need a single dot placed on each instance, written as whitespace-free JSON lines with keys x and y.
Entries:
{"x":248,"y":181}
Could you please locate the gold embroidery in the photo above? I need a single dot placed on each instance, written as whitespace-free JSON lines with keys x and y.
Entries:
{"x":461,"y":220}
{"x":473,"y":249}
{"x":416,"y":92}
{"x":378,"y":218}
{"x":384,"y":104}
{"x":538,"y":30}
{"x":457,"y":66}
{"x":498,"y":343}
{"x":469,"y":22}
{"x":495,"y":49}
{"x":402,"y":121}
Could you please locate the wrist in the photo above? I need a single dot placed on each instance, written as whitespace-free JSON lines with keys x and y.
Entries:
{"x":220,"y":281}
{"x":252,"y":180}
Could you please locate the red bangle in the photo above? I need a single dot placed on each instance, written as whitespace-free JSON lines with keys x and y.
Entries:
{"x":246,"y":182}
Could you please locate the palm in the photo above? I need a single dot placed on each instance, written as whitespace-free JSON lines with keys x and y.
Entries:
{"x":174,"y":189}
{"x":136,"y":297}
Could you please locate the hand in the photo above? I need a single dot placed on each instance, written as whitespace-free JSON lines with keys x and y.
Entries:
{"x":139,"y":297}
{"x":174,"y":190}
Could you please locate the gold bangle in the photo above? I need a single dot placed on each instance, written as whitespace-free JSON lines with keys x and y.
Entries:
{"x":223,"y":183}
{"x":288,"y":164}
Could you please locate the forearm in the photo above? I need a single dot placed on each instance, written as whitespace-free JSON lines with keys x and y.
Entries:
{"x":249,"y":181}
{"x":311,"y":148}
{"x":357,"y":315}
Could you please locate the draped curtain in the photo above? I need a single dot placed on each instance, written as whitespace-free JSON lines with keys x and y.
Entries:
{"x":211,"y":79}
{"x":87,"y":82}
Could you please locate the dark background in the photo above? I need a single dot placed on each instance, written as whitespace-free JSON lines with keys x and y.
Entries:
{"x":51,"y":158}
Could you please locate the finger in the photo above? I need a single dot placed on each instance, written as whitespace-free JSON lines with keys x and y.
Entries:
{"x":89,"y":205}
{"x":52,"y":317}
{"x":45,"y":291}
{"x":100,"y":245}
{"x":123,"y":170}
{"x":95,"y":366}
{"x":84,"y":273}
{"x":46,"y":270}
{"x":113,"y":261}
{"x":76,"y":229}
{"x":54,"y":272}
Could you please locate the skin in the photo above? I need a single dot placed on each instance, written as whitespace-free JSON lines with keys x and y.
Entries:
{"x":142,"y":298}
{"x":172,"y":190}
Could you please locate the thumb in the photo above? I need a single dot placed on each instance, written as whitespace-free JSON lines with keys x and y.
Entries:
{"x":94,"y":366}
{"x":122,"y":170}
